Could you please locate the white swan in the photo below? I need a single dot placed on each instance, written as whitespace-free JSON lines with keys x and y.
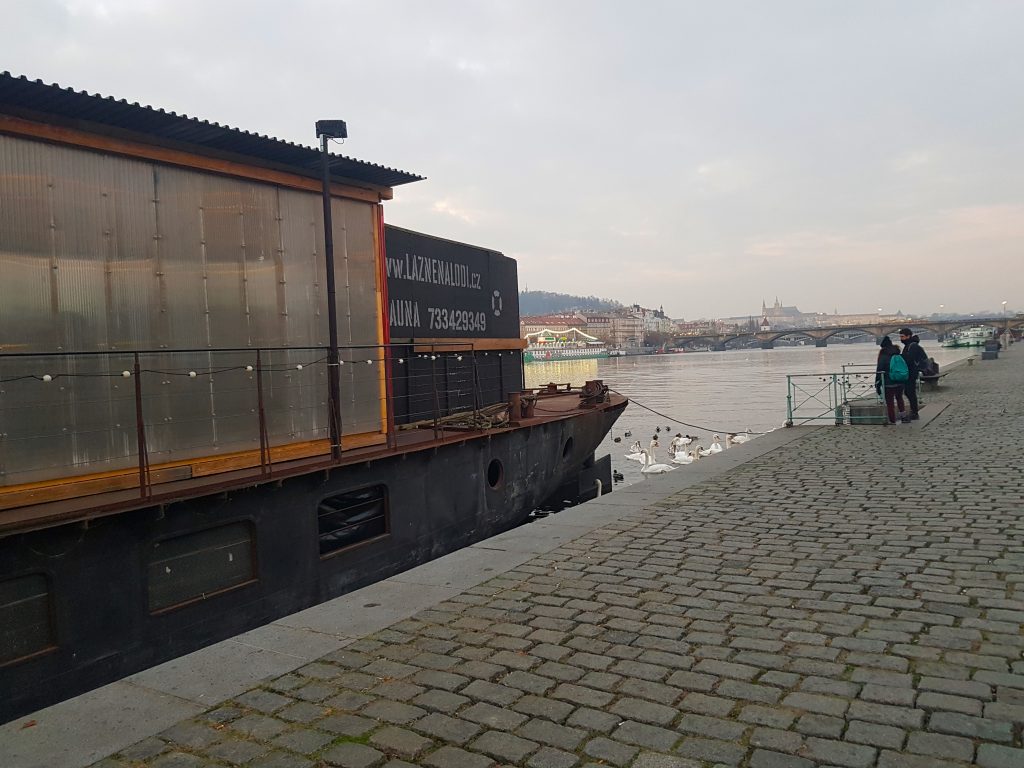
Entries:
{"x":683,"y":457}
{"x":703,"y":451}
{"x":740,"y":438}
{"x":654,"y":469}
{"x":635,"y":456}
{"x":716,"y":446}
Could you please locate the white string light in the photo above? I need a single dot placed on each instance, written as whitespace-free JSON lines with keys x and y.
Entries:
{"x":192,"y":374}
{"x":47,"y":377}
{"x":126,"y":374}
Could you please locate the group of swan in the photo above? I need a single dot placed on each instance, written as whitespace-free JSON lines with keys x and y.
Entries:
{"x":680,"y":455}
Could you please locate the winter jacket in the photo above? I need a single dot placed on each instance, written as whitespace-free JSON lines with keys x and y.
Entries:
{"x":915,"y":357}
{"x":884,"y":355}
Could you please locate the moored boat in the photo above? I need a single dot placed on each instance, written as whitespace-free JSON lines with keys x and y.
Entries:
{"x":572,"y":344}
{"x":975,"y":336}
{"x":189,"y":446}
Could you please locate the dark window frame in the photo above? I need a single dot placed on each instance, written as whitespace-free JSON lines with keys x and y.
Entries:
{"x":51,"y":615}
{"x":385,"y":498}
{"x":205,"y":596}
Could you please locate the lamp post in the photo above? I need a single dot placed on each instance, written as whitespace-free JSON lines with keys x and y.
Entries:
{"x":1006,"y":329}
{"x":325,"y":131}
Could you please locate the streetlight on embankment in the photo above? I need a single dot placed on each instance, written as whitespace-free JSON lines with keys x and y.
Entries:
{"x":1006,"y":329}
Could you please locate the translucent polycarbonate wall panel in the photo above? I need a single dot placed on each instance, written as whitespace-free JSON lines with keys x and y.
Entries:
{"x":80,"y":420}
{"x":356,"y":285}
{"x":76,"y":249}
{"x":305,"y":272}
{"x":104,"y":253}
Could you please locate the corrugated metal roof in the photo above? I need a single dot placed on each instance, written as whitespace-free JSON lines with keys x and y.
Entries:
{"x":104,"y":114}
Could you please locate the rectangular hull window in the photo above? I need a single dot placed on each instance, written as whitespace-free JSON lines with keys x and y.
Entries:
{"x":25,"y":625}
{"x":349,"y":518}
{"x":194,"y":566}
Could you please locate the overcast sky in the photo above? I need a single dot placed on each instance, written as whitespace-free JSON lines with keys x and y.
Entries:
{"x":700,"y":156}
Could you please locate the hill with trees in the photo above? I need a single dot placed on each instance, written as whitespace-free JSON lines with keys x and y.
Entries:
{"x":548,"y":303}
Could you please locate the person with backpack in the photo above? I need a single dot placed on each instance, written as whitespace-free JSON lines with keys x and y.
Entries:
{"x":917,"y":364}
{"x":891,"y":374}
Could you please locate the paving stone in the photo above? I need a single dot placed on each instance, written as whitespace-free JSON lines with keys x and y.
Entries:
{"x":813,"y":702}
{"x":577,"y":694}
{"x":401,"y":742}
{"x":765,"y":759}
{"x":350,"y":755}
{"x":971,"y":727}
{"x":769,"y":716}
{"x":304,"y":740}
{"x":452,"y":757}
{"x":546,"y":757}
{"x":939,"y":745}
{"x":179,"y":760}
{"x":392,"y":712}
{"x":439,"y":701}
{"x":493,"y":693}
{"x":447,"y":729}
{"x":874,"y":735}
{"x":643,"y":735}
{"x":503,"y":746}
{"x":267,"y":702}
{"x":347,"y":725}
{"x":549,"y":709}
{"x":144,"y":750}
{"x":280,"y":760}
{"x":490,"y":716}
{"x":656,"y":760}
{"x":552,"y":734}
{"x":258,"y":726}
{"x":609,"y":752}
{"x":840,"y":753}
{"x":996,"y":756}
{"x":349,"y":701}
{"x":593,"y":720}
{"x":644,"y":711}
{"x":903,"y":760}
{"x":821,"y":725}
{"x":234,"y":751}
{"x":710,"y":750}
{"x":198,"y":735}
{"x":775,"y":740}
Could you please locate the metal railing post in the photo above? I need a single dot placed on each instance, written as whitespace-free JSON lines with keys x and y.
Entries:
{"x":140,"y":431}
{"x":265,"y":466}
{"x":433,"y":381}
{"x":789,"y":401}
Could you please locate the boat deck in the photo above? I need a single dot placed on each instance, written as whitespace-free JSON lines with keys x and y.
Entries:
{"x":80,"y":499}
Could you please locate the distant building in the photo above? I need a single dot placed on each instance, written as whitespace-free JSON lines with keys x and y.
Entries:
{"x":617,"y":329}
{"x":533,"y":323}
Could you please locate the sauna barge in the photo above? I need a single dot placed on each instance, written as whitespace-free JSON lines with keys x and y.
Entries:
{"x":167,"y":474}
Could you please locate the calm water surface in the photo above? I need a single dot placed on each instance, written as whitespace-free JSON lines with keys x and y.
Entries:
{"x":718,"y":391}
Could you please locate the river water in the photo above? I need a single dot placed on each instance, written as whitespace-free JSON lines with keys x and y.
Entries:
{"x":716,"y":391}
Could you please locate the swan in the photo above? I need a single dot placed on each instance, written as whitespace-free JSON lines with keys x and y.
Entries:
{"x":635,"y":447}
{"x":703,"y":451}
{"x":716,"y":446}
{"x":635,"y":456}
{"x":683,"y":457}
{"x":654,"y":469}
{"x":742,"y":437}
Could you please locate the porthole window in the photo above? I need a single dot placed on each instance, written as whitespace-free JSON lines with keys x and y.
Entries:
{"x":350,"y":518}
{"x":567,"y":448}
{"x":200,"y":564}
{"x":26,"y":626}
{"x":495,"y":473}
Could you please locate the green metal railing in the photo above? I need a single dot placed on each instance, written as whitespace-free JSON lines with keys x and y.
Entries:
{"x":847,"y":397}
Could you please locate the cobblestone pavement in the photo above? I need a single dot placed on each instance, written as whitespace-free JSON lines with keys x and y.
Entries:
{"x":852,"y":599}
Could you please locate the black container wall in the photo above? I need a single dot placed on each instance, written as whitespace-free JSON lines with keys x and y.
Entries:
{"x":101,"y":577}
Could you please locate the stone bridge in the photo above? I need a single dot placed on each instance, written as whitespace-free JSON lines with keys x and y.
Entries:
{"x":821,"y":334}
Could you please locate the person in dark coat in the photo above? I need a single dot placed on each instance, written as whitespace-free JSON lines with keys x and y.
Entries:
{"x":917,"y":362}
{"x":893,"y":392}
